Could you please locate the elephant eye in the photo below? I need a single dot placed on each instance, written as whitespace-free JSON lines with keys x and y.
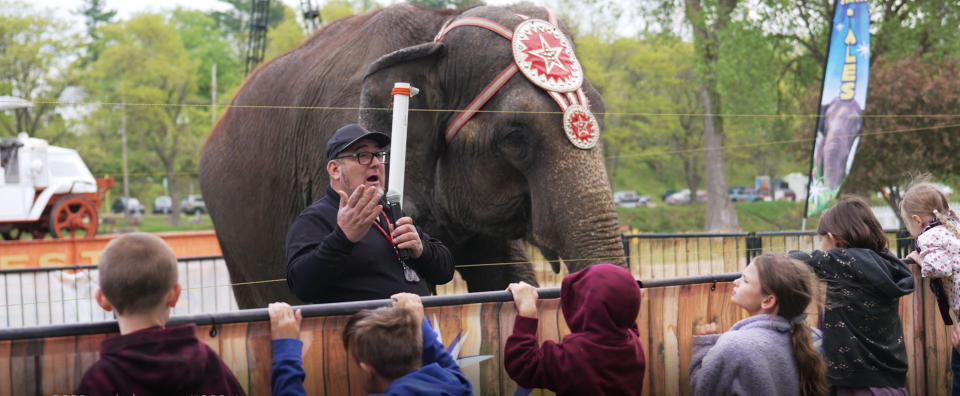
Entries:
{"x":514,"y":137}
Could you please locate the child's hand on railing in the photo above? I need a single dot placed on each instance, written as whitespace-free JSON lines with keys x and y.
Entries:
{"x":284,"y":323}
{"x":409,"y":301}
{"x":913,"y":256}
{"x":707,"y":329}
{"x":525,"y":296}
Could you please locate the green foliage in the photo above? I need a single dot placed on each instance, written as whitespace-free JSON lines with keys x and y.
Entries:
{"x":753,"y":216}
{"x":891,"y":148}
{"x":333,"y":10}
{"x":204,"y":44}
{"x":285,"y":36}
{"x":95,"y":15}
{"x":35,"y":54}
{"x":441,"y":3}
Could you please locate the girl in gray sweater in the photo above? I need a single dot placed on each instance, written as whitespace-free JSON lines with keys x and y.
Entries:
{"x":771,"y":352}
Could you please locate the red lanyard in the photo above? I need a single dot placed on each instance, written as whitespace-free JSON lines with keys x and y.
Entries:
{"x":385,"y":234}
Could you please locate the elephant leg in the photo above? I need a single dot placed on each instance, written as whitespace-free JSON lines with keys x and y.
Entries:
{"x":241,"y":293}
{"x":257,"y":295}
{"x":484,"y":250}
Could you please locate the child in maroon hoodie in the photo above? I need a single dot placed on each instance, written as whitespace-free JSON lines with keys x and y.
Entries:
{"x":601,"y":356}
{"x":138,"y":279}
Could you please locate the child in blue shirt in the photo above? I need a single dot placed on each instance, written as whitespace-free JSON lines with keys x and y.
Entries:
{"x":393,"y":355}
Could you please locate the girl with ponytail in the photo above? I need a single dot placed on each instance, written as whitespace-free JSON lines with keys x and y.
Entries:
{"x":928,"y":217}
{"x":771,"y":352}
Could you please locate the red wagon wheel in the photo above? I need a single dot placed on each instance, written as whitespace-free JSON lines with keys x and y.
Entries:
{"x":73,"y":213}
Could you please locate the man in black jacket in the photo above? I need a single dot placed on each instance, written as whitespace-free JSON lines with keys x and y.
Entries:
{"x":343,"y":247}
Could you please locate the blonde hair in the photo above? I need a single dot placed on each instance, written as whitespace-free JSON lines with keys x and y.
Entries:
{"x":923,"y":198}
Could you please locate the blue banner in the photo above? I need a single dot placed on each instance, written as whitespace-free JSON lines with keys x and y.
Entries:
{"x":842,"y":103}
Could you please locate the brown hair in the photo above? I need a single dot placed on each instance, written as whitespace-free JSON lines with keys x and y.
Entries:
{"x":388,"y":339}
{"x":923,"y":198}
{"x":795,"y":286}
{"x":853,"y":225}
{"x":136,"y":272}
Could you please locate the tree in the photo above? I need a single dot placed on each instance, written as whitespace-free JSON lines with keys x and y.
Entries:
{"x":654,"y":77}
{"x":206,"y":44}
{"x":891,"y":148}
{"x":709,"y":20}
{"x":35,"y":56}
{"x":442,"y":3}
{"x":143,"y":60}
{"x":95,"y":15}
{"x":285,"y":36}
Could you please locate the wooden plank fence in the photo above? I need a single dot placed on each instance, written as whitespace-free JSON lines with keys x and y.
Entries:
{"x":668,"y":315}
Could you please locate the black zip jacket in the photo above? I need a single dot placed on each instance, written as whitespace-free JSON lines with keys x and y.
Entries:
{"x":863,"y":341}
{"x":323,"y":266}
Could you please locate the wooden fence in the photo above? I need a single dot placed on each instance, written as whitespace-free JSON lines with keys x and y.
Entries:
{"x":483,"y":321}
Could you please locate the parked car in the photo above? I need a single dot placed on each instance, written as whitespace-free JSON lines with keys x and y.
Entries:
{"x":667,"y":194}
{"x":683,"y":197}
{"x":134,"y":207}
{"x":162,"y":204}
{"x":193,"y":204}
{"x":741,"y":194}
{"x":630,"y":199}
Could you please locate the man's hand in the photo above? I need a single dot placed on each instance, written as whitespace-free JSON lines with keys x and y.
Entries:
{"x":707,"y":329}
{"x":284,"y":323}
{"x":405,"y":237}
{"x":409,"y":301}
{"x":358,"y":211}
{"x":525,"y":296}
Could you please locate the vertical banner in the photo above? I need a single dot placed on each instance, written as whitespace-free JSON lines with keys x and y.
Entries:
{"x":842,"y":102}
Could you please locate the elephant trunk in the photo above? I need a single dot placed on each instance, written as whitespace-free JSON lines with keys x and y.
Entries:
{"x":576,"y":216}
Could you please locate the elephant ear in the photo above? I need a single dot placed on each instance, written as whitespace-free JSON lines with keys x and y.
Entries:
{"x":416,"y":65}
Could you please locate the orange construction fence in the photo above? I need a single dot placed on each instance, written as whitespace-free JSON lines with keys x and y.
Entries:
{"x":60,"y":252}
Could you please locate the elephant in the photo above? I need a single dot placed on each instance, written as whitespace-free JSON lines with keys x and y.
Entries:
{"x":506,"y":178}
{"x":840,"y":124}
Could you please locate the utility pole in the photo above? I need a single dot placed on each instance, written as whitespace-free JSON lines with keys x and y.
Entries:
{"x":213,"y":96}
{"x":126,"y":184}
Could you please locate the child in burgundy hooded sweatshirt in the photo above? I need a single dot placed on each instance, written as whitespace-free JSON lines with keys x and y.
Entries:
{"x":138,"y":279}
{"x":601,"y":356}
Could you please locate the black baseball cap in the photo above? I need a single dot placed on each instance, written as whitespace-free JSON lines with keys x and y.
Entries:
{"x":350,"y":134}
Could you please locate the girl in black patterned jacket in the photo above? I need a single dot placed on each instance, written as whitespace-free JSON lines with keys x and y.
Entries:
{"x":863,"y":341}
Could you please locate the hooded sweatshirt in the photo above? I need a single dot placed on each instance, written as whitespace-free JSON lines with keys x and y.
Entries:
{"x":601,"y":356}
{"x":158,"y":361}
{"x":754,"y":358}
{"x":439,"y":376}
{"x":862,"y":332}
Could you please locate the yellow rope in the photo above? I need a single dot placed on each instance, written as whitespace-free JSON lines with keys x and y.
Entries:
{"x":227,"y":106}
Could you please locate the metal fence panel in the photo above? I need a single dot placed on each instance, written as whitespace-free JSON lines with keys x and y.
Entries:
{"x":64,"y":295}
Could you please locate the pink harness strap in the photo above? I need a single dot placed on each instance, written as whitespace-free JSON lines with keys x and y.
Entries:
{"x":504,"y":76}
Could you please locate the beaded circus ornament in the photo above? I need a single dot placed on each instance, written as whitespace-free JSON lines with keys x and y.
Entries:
{"x":542,"y":53}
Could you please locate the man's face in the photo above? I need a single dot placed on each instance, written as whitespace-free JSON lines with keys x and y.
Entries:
{"x":352,"y":174}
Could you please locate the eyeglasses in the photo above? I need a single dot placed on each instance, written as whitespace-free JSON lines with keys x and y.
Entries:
{"x":367,"y":158}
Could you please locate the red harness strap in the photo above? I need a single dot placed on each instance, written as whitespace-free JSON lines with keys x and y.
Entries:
{"x":504,"y":76}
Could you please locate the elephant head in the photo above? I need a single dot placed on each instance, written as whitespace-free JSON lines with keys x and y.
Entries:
{"x":510,"y":172}
{"x":842,"y":120}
